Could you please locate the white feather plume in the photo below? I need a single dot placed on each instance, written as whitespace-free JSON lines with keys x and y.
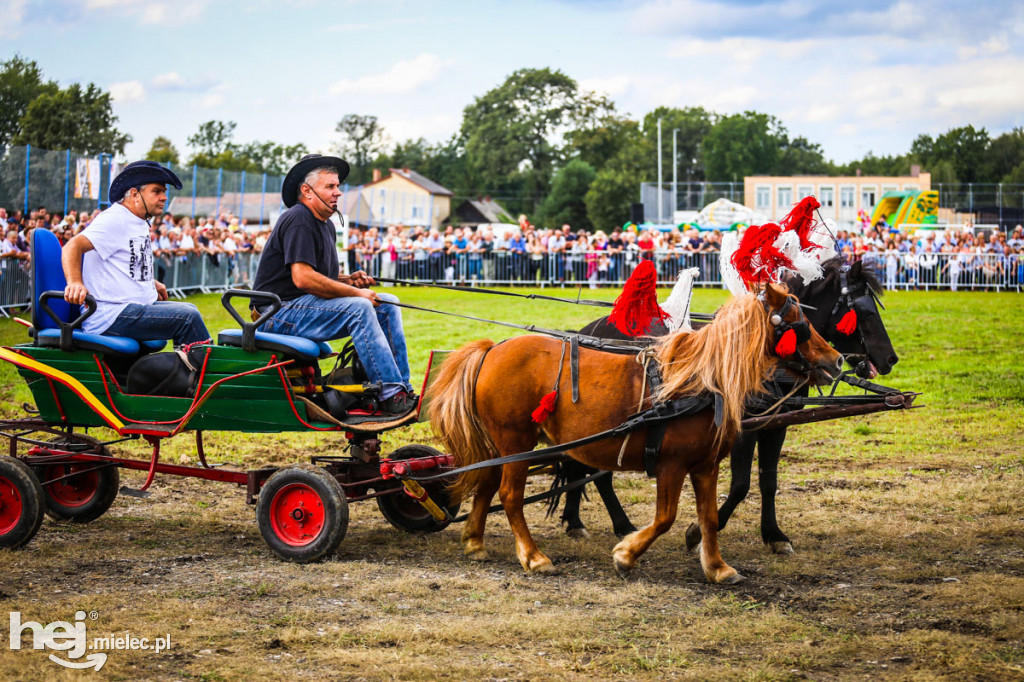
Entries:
{"x":678,"y":303}
{"x":805,"y":263}
{"x":730,"y":276}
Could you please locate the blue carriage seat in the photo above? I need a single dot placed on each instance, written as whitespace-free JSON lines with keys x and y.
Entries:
{"x":297,"y":347}
{"x":293,"y":346}
{"x":48,"y":275}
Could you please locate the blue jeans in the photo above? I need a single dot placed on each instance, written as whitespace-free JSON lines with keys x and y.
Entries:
{"x":376,"y":332}
{"x":180,"y":322}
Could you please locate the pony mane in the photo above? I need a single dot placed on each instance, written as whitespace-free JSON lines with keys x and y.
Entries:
{"x":728,"y":356}
{"x":830,"y":280}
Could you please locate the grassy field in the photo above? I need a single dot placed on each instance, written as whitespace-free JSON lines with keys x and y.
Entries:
{"x":907,"y":528}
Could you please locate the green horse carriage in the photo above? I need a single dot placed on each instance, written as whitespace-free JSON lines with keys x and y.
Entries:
{"x":249,"y":381}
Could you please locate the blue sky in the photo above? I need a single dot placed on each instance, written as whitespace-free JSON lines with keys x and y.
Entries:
{"x":852,"y":76}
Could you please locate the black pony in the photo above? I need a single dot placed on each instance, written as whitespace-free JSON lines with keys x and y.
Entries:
{"x":868,"y":350}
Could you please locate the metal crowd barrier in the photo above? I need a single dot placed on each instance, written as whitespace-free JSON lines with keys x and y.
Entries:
{"x":201,"y":273}
{"x":592,"y":269}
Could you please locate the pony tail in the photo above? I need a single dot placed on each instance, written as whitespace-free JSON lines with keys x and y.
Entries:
{"x":452,"y":412}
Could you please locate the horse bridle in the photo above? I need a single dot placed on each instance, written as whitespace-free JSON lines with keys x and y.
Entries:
{"x":858,"y":298}
{"x":801,"y":328}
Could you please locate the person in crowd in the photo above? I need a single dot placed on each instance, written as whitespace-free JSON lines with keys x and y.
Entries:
{"x":460,"y":251}
{"x":420,"y":256}
{"x":474,"y":256}
{"x":910,"y":266}
{"x":517,"y":253}
{"x":487,"y":241}
{"x":300,"y":265}
{"x":112,"y":259}
{"x":435,"y":253}
{"x":892,"y":264}
{"x":616,"y":245}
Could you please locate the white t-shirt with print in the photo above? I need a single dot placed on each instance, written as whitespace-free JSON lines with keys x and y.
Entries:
{"x":119,"y":269}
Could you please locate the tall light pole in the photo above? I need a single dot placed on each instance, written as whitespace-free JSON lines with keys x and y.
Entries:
{"x":675,"y":175}
{"x":659,"y":172}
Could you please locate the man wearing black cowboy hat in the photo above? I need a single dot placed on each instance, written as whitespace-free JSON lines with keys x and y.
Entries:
{"x":300,"y":265}
{"x":112,"y":259}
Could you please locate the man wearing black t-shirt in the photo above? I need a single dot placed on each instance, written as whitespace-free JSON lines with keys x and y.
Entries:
{"x":300,"y":265}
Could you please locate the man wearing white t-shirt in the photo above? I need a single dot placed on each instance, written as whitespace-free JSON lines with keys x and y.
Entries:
{"x":112,"y":259}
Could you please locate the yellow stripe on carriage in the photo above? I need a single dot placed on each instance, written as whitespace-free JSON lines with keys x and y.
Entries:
{"x":73,"y":384}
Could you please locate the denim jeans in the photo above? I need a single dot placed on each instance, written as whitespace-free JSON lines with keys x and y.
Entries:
{"x":377,"y":332}
{"x":180,"y":322}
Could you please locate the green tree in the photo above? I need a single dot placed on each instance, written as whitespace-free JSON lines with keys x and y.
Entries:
{"x":513,"y":134}
{"x":77,"y":118}
{"x":600,"y":143}
{"x":693,"y":124}
{"x":877,"y":165}
{"x":163,"y":151}
{"x":1005,"y":154}
{"x":212,"y":138}
{"x":617,"y":185}
{"x":799,"y":156}
{"x":271,"y":157}
{"x":362,"y":140}
{"x":964,"y":149}
{"x":440,"y":162}
{"x":21,"y":81}
{"x":741,"y":145}
{"x":565,"y":202}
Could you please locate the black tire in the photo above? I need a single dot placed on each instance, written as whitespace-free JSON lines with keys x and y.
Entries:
{"x":21,"y":503}
{"x":405,"y":513}
{"x":302,"y":513}
{"x":78,"y":498}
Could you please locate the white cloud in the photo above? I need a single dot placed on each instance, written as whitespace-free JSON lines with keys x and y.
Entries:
{"x":613,"y":86}
{"x":170,"y":13}
{"x":128,"y":91}
{"x":210,"y":101}
{"x":13,"y":13}
{"x":403,"y":77}
{"x":431,"y":127}
{"x":168,"y":81}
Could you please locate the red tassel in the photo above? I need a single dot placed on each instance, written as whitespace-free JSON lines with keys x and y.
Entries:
{"x":546,"y":407}
{"x":787,"y":344}
{"x":637,"y":305}
{"x":756,"y":258}
{"x":801,"y":220}
{"x":848,"y":324}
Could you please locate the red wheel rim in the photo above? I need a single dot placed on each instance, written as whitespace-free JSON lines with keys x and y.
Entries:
{"x":10,"y":506}
{"x":297,"y":514}
{"x":73,"y":491}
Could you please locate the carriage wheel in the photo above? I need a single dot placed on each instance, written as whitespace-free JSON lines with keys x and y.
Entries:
{"x":21,"y":503}
{"x":405,"y":513}
{"x":83,"y":497}
{"x":78,"y":497}
{"x":302,"y":513}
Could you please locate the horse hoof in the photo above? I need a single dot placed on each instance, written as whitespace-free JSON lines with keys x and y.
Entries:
{"x":781,"y":547}
{"x":478,"y":555}
{"x":733,"y":578}
{"x":622,"y":568}
{"x":623,"y":532}
{"x":578,"y":533}
{"x":693,"y":537}
{"x":546,"y":568}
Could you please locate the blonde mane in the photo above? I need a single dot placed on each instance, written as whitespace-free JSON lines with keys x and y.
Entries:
{"x":729,"y":357}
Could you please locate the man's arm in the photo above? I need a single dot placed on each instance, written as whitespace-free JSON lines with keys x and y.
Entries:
{"x":312,"y":282}
{"x":71,"y":260}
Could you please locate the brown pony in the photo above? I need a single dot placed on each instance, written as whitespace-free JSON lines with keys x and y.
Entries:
{"x":481,"y":404}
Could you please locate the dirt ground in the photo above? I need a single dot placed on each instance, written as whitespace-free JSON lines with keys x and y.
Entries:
{"x":902,"y":573}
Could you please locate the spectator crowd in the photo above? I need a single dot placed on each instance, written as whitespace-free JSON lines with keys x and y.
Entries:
{"x":529,"y":255}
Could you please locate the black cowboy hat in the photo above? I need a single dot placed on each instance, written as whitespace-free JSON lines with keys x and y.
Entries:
{"x":139,"y":173}
{"x":298,"y":173}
